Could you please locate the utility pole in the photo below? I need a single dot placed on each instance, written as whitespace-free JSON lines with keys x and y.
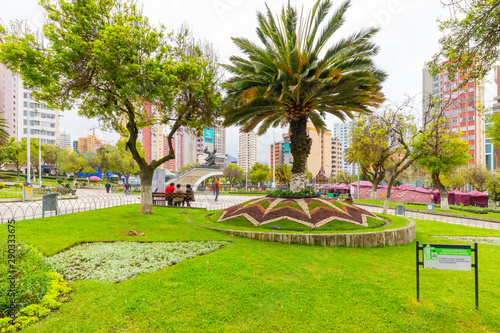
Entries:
{"x":28,"y":147}
{"x":274,"y":161}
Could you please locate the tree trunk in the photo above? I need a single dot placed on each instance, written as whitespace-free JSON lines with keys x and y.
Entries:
{"x":442,"y":191}
{"x":18,"y":172}
{"x":127,"y":176}
{"x":376,"y":181}
{"x":388,"y":196}
{"x":300,"y":146}
{"x":146,"y":190}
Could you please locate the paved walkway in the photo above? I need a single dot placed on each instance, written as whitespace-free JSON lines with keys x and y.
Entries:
{"x":440,"y":218}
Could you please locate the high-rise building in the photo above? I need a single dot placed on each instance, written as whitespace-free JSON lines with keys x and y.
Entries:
{"x":152,"y":137}
{"x":75,"y":146}
{"x":90,"y":144}
{"x":9,"y":104}
{"x":496,"y":106}
{"x":462,"y":106}
{"x":337,"y":156}
{"x":247,"y":155}
{"x":65,"y":140}
{"x":320,"y":156}
{"x":280,"y":154}
{"x":184,"y":144}
{"x":492,"y":155}
{"x":43,"y":120}
{"x":342,"y":132}
{"x":214,"y":138}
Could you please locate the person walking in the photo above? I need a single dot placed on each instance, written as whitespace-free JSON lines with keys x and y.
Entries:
{"x":127,"y":188}
{"x":216,"y":188}
{"x":107,"y":187}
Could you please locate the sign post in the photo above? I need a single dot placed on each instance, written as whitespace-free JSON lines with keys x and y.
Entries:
{"x":450,"y":257}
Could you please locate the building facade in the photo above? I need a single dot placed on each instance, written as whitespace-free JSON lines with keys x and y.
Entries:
{"x":464,"y":107}
{"x":492,"y":155}
{"x":214,"y":138}
{"x":90,"y":144}
{"x":320,"y":156}
{"x":65,"y":141}
{"x":247,"y":153}
{"x":342,"y":132}
{"x":337,"y":156}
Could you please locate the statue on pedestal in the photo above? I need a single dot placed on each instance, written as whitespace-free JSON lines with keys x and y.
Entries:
{"x":210,"y":159}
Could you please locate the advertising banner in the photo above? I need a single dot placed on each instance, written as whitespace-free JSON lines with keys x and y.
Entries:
{"x":209,"y":135}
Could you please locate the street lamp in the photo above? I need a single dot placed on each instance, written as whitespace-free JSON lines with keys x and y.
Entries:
{"x":28,"y":157}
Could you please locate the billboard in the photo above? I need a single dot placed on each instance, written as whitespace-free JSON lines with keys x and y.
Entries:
{"x":286,"y":148}
{"x":208,"y":134}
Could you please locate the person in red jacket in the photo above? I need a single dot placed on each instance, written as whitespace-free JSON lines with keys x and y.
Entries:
{"x":216,"y":188}
{"x":170,"y":189}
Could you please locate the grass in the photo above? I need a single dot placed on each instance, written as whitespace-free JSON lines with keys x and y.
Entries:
{"x":254,"y":286}
{"x":422,"y":208}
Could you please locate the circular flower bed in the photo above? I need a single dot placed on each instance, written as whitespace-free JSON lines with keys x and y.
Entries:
{"x":299,"y":214}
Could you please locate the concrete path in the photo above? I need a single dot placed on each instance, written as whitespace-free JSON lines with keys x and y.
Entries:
{"x":439,"y":218}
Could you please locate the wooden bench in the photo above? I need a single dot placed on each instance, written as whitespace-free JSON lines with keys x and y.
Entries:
{"x":162,"y":199}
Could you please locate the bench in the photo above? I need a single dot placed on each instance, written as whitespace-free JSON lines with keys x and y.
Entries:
{"x":161,"y":199}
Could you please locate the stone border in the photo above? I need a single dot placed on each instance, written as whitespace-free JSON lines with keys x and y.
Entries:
{"x":391,"y":237}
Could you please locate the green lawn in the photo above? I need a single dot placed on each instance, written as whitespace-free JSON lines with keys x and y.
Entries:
{"x":253,"y":286}
{"x":422,"y":208}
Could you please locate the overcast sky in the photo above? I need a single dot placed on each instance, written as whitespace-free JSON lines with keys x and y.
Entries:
{"x":407,"y":39}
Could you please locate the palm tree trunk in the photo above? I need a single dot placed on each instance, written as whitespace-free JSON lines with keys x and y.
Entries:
{"x":300,"y":146}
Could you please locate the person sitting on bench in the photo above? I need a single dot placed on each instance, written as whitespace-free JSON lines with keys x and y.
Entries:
{"x":189,"y":196}
{"x":178,"y":195}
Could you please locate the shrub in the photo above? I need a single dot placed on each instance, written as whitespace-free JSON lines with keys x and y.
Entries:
{"x":2,"y":185}
{"x":18,"y":185}
{"x":306,"y":193}
{"x":470,"y":209}
{"x":60,"y":181}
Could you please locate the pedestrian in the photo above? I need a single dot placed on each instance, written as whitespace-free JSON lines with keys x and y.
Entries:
{"x":216,"y":188}
{"x":108,"y":187}
{"x":168,"y":191}
{"x":127,"y":188}
{"x":189,"y":196}
{"x":178,"y":199}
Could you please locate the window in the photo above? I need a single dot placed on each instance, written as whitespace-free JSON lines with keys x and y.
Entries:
{"x":470,"y":89}
{"x":454,"y":112}
{"x":471,"y":137}
{"x":435,"y":85}
{"x":463,"y":128}
{"x":447,"y":87}
{"x":462,"y":110}
{"x":462,"y":100}
{"x":435,"y":91}
{"x":463,"y":119}
{"x":435,"y":78}
{"x":447,"y":114}
{"x":471,"y":117}
{"x":470,"y":99}
{"x":454,"y":122}
{"x":470,"y":108}
{"x":471,"y":127}
{"x":446,"y":96}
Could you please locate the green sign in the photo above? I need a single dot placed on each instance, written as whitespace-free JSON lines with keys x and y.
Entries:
{"x":453,"y":257}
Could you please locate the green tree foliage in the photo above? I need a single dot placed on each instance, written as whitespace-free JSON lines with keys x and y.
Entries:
{"x":122,"y":161}
{"x":455,"y":181}
{"x":478,"y":177}
{"x":471,"y":38}
{"x":259,"y":173}
{"x":105,"y":56}
{"x":283,"y":173}
{"x":442,"y":151}
{"x":291,"y":78}
{"x":233,"y":173}
{"x":22,"y":156}
{"x":185,"y":167}
{"x":493,"y":185}
{"x":343,"y":178}
{"x":493,"y":128}
{"x":373,"y":146}
{"x":72,"y":162}
{"x":10,"y":153}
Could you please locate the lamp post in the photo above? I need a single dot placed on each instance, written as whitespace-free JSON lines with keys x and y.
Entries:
{"x":28,"y":157}
{"x":274,"y":161}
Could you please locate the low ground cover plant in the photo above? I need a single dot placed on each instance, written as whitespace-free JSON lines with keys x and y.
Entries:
{"x":119,"y":261}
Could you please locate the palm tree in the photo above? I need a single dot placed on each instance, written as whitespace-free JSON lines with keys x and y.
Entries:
{"x":290,"y":80}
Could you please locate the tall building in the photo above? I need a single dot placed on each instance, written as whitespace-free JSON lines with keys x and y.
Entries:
{"x":337,"y":156}
{"x":496,"y":106}
{"x":90,"y":144}
{"x":247,"y":155}
{"x":65,"y":140}
{"x":342,"y":131}
{"x":184,"y":144}
{"x":9,"y":104}
{"x":492,"y":154}
{"x":152,"y":137}
{"x":463,"y":107}
{"x":43,"y":120}
{"x":320,"y":157}
{"x":214,"y":138}
{"x":75,"y":146}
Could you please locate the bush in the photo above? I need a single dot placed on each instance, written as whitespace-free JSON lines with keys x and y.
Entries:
{"x":60,"y":181}
{"x":2,"y":185}
{"x":18,"y":185}
{"x":306,"y":193}
{"x":470,"y":209}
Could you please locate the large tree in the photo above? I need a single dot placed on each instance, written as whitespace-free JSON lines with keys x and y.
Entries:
{"x":291,"y":78}
{"x":478,"y":177}
{"x":106,"y":57}
{"x":233,"y":173}
{"x":259,"y":173}
{"x":11,"y":154}
{"x":372,"y":145}
{"x":443,"y":151}
{"x":471,"y":41}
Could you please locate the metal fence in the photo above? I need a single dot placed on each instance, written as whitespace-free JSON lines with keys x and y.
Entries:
{"x":33,"y":209}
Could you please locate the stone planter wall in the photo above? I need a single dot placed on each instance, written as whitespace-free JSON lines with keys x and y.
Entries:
{"x":392,"y":237}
